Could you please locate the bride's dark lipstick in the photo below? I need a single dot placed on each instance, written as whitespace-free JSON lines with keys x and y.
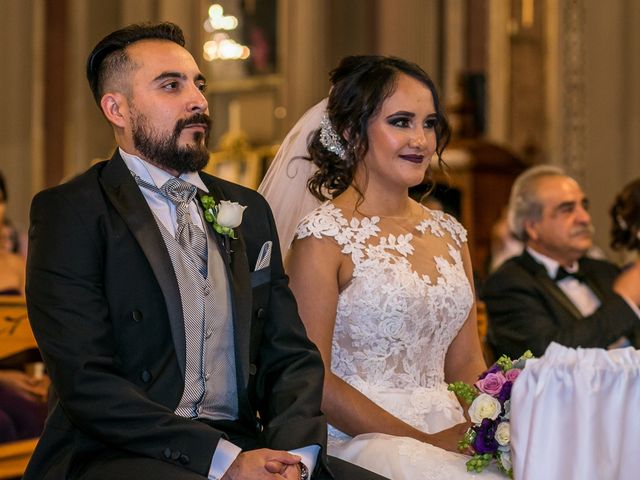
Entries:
{"x":413,"y":158}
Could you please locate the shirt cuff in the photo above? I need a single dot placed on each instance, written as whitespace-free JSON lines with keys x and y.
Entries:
{"x":632,"y":305}
{"x":224,"y":455}
{"x":309,"y":456}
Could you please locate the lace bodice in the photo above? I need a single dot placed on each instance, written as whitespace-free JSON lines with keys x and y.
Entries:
{"x":407,"y":300}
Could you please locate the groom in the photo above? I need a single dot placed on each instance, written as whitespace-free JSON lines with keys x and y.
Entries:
{"x":168,"y":329}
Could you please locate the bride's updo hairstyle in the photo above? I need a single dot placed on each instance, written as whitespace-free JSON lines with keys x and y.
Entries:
{"x":625,"y":218}
{"x":360,"y":85}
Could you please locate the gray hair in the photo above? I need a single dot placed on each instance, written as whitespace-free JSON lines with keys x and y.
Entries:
{"x":524,"y":203}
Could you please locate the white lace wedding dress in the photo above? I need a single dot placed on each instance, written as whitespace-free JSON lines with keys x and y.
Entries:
{"x":407,"y":300}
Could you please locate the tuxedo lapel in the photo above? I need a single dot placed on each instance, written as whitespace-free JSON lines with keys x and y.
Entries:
{"x":592,"y":279}
{"x":126,"y":198}
{"x":540,"y":275}
{"x":237,"y":264}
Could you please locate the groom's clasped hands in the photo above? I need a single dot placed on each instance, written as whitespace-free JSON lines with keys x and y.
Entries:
{"x":264,"y":464}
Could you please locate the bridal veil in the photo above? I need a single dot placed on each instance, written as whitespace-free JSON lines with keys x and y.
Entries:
{"x":285,"y":184}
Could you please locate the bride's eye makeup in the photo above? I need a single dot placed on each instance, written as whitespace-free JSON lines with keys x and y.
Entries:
{"x":404,"y":119}
{"x":431,"y":122}
{"x":400,"y":119}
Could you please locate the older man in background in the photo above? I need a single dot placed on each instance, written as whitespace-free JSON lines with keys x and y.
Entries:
{"x":552,"y":292}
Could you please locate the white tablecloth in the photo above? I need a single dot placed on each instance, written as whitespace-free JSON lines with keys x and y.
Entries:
{"x":575,"y":415}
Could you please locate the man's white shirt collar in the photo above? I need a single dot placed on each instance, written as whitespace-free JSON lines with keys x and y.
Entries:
{"x":163,"y":208}
{"x":550,"y":264}
{"x":153,"y":174}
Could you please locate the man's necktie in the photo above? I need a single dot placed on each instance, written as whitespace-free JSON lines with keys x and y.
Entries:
{"x":192,"y":240}
{"x":562,"y":274}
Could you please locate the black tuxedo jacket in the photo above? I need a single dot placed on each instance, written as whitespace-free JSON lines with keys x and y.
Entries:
{"x":104,"y":305}
{"x":527,"y":310}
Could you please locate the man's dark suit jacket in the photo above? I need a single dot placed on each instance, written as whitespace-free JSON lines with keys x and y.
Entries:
{"x":105,"y":308}
{"x":527,"y":310}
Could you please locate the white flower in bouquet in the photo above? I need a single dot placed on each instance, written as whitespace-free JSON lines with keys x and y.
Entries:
{"x":484,"y":406}
{"x":503,"y":434}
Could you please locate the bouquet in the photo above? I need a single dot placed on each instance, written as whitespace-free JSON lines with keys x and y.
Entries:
{"x":490,"y":405}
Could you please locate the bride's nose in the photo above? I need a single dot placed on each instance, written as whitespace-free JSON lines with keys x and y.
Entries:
{"x":418,"y":140}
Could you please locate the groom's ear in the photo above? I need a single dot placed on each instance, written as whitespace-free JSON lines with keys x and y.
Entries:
{"x":115,"y":108}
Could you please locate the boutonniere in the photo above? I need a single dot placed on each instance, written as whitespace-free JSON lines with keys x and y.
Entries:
{"x":223,"y":216}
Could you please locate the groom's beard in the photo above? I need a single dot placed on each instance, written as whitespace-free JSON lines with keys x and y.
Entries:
{"x":165,"y":152}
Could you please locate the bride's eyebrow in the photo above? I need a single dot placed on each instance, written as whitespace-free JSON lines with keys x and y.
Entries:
{"x":401,"y":113}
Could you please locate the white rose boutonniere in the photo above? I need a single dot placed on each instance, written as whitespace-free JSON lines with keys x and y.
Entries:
{"x":484,"y":406}
{"x":223,"y":216}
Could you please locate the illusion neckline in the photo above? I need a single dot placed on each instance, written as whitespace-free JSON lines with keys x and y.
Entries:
{"x":418,"y":214}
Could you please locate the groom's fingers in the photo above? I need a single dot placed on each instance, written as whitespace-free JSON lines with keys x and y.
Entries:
{"x":273,"y":466}
{"x":279,"y":460}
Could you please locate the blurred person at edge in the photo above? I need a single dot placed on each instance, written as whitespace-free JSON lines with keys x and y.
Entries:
{"x":12,"y":265}
{"x":22,"y":396}
{"x":625,"y":221}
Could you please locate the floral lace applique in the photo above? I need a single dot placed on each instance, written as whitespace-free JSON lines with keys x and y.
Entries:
{"x":441,"y":222}
{"x":393,"y":325}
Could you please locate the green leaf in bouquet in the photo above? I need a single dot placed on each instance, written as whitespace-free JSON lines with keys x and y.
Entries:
{"x":505,"y":363}
{"x":520,"y":363}
{"x":479,"y":462}
{"x":463,"y":391}
{"x":467,"y":440}
{"x":508,"y":473}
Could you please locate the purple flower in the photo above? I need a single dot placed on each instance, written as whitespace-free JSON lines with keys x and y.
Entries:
{"x":492,"y":383}
{"x":485,"y":441}
{"x":512,"y":374}
{"x":494,"y":368}
{"x":505,"y":393}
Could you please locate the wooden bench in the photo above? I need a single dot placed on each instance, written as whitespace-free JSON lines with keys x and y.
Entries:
{"x":14,"y":457}
{"x":16,"y":337}
{"x":15,"y":332}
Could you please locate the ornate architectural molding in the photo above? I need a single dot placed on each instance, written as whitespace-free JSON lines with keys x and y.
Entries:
{"x":573,"y":97}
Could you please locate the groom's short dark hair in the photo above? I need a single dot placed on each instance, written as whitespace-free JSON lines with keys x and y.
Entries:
{"x":109,"y":57}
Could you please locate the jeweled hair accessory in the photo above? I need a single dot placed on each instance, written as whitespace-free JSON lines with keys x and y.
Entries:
{"x":330,"y":139}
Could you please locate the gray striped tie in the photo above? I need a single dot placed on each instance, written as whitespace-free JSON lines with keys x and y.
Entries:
{"x":192,"y":240}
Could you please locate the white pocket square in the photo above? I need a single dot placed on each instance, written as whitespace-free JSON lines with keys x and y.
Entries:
{"x":264,"y":257}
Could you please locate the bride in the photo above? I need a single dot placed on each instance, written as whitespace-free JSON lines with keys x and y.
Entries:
{"x":383,"y":284}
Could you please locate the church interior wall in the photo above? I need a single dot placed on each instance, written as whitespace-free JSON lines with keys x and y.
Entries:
{"x":527,"y":107}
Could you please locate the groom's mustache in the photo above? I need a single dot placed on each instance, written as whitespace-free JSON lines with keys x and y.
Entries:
{"x":196,"y":119}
